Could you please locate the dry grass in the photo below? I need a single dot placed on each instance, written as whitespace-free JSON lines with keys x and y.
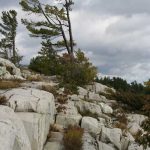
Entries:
{"x":62,"y":98}
{"x":122,"y":122}
{"x":61,"y":108}
{"x":3,"y":100}
{"x":50,"y":89}
{"x":73,"y":138}
{"x":34,"y":78}
{"x":8,"y":84}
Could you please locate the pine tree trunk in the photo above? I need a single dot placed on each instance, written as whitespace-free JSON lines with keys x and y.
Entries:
{"x":70,"y":31}
{"x":14,"y":51}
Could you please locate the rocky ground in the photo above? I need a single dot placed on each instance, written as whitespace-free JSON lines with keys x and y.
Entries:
{"x":35,"y":119}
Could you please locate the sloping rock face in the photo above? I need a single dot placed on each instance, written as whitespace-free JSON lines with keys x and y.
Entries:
{"x":12,"y":132}
{"x":9,"y":71}
{"x":35,"y":109}
{"x":30,"y":100}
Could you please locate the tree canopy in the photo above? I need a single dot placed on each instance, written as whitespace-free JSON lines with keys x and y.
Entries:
{"x":54,"y":23}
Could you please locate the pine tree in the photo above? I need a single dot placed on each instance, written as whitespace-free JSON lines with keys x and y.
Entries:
{"x":53,"y":25}
{"x":8,"y":27}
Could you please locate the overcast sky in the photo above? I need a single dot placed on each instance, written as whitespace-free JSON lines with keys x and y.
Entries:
{"x":115,"y":35}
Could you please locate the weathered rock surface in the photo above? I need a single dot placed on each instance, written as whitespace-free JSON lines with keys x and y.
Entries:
{"x":35,"y":110}
{"x":103,"y":146}
{"x":106,"y":109}
{"x":90,"y":124}
{"x":67,"y":120}
{"x":136,"y":118}
{"x":89,"y":143}
{"x":9,"y":71}
{"x":12,"y":132}
{"x":37,"y":128}
{"x":111,"y":135}
{"x":53,"y":146}
{"x":31,"y":100}
{"x":99,"y":88}
{"x":84,"y":106}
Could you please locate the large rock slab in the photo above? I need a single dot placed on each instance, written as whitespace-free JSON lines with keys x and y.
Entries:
{"x":37,"y":128}
{"x":31,"y":100}
{"x":89,"y":143}
{"x":103,"y":146}
{"x":96,"y":97}
{"x":84,"y":106}
{"x":106,"y":109}
{"x":67,"y":109}
{"x":12,"y":132}
{"x":53,"y":146}
{"x":91,"y":125}
{"x":136,"y":118}
{"x":111,"y":135}
{"x":99,"y":88}
{"x":67,"y":120}
{"x":9,"y":71}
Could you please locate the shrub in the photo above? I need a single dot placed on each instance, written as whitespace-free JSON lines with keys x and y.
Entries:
{"x":73,"y":72}
{"x":61,"y":108}
{"x":3,"y":100}
{"x":73,"y":138}
{"x":78,"y":72}
{"x":8,"y":84}
{"x":133,"y":101}
{"x":62,"y":98}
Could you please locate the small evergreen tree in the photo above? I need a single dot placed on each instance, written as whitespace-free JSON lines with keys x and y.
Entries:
{"x":55,"y":24}
{"x":8,"y":27}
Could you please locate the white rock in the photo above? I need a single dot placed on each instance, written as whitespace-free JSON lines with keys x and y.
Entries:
{"x":89,"y":142}
{"x":136,"y":118}
{"x":69,"y":108}
{"x":28,"y":99}
{"x":106,"y":109}
{"x":56,"y":137}
{"x":37,"y":128}
{"x":12,"y":132}
{"x":82,"y":92}
{"x":94,"y":96}
{"x":53,"y":146}
{"x":103,"y":146}
{"x":134,"y":128}
{"x":99,"y":88}
{"x":90,"y":124}
{"x":84,"y":106}
{"x":74,"y":97}
{"x":135,"y":146}
{"x":9,"y":71}
{"x":67,"y":120}
{"x":112,"y":135}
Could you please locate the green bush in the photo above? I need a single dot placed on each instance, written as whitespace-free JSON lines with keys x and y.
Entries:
{"x":73,"y":138}
{"x":134,"y":101}
{"x":77,"y":72}
{"x":73,"y":72}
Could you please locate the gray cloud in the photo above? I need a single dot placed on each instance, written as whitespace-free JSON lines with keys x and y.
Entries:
{"x":114,"y":35}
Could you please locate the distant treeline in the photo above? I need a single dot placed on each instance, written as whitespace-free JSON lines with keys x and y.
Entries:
{"x":122,"y":85}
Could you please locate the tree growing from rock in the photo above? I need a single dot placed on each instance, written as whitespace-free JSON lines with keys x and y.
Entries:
{"x":54,"y":23}
{"x":8,"y":28}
